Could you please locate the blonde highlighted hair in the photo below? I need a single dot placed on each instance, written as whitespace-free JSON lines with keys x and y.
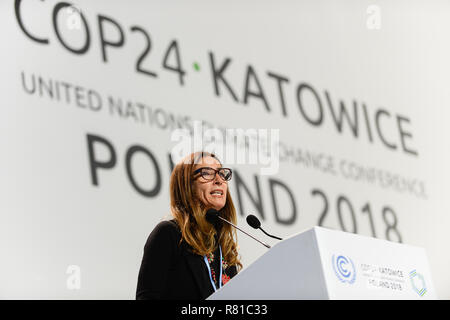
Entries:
{"x":189,"y":213}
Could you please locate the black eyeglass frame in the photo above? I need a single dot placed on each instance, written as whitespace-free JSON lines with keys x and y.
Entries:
{"x":216,"y":171}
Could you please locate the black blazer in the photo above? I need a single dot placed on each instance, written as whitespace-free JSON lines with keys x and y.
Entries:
{"x":169,"y":270}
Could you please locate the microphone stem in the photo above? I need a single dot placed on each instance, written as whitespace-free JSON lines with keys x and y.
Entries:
{"x":266,"y":245}
{"x":275,"y":237}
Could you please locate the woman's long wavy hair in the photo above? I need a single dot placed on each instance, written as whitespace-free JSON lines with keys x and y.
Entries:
{"x":189,"y":213}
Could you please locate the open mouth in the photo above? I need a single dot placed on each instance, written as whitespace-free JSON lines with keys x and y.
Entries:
{"x":217,"y":193}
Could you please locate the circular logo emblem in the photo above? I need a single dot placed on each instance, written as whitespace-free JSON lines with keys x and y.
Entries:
{"x":344,"y":269}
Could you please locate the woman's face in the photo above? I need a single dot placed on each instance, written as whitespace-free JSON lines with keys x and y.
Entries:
{"x":213,"y":193}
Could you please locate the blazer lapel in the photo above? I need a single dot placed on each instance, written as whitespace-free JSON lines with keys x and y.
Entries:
{"x":199,"y":273}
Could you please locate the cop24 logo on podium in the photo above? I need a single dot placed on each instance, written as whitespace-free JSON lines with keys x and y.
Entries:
{"x":418,"y":283}
{"x":344,"y":268}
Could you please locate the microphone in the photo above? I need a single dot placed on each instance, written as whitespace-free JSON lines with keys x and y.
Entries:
{"x":254,"y":222}
{"x":213,"y":217}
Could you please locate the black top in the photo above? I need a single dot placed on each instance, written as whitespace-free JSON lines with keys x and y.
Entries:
{"x":169,"y":270}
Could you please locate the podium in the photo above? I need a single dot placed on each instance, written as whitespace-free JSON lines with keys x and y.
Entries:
{"x":322,"y":263}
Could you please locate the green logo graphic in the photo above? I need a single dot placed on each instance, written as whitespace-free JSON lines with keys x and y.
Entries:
{"x":418,"y":283}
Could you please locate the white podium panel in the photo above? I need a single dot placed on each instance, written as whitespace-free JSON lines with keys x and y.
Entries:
{"x":326,"y":264}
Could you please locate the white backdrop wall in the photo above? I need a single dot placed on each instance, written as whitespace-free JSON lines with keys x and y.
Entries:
{"x":358,"y":90}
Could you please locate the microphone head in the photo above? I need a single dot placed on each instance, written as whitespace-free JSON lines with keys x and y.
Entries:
{"x":253,"y":221}
{"x":212,"y":216}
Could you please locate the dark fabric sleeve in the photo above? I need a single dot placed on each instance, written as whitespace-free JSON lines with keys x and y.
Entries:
{"x":232,"y":271}
{"x":159,"y":254}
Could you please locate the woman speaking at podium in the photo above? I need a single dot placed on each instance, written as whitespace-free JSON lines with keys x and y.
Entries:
{"x":188,"y":257}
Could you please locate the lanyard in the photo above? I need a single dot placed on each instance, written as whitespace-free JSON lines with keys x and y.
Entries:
{"x":209,"y":271}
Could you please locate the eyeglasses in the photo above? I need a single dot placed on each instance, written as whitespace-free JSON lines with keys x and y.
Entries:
{"x":210,"y":173}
